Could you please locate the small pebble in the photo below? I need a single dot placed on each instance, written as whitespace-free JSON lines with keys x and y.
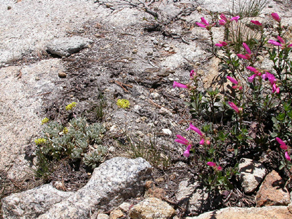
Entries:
{"x":62,"y":74}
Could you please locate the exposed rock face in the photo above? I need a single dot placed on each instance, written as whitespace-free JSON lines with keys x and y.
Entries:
{"x":32,"y":203}
{"x":22,"y":90}
{"x":151,"y":208}
{"x":279,"y":212}
{"x":251,"y":175}
{"x":111,"y":183}
{"x":67,"y":46}
{"x":272,"y":191}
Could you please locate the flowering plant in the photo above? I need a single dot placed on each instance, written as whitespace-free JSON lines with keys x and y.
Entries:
{"x":249,"y":117}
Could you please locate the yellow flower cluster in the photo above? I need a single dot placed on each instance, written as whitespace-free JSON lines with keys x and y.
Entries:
{"x":65,"y":130}
{"x":40,"y":141}
{"x":71,"y":106}
{"x":123,"y":103}
{"x":45,"y":120}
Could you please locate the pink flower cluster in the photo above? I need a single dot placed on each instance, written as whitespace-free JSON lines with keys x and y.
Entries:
{"x":284,"y":147}
{"x":281,"y":43}
{"x":224,"y":20}
{"x":203,"y":140}
{"x":214,"y":165}
{"x":180,"y":139}
{"x":265,"y":76}
{"x":246,"y":56}
{"x":205,"y":24}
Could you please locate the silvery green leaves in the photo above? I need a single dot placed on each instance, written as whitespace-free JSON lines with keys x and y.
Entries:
{"x":79,"y":141}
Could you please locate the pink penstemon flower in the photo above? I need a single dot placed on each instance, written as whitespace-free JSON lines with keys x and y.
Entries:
{"x":211,"y":164}
{"x":270,"y":77}
{"x":272,"y":80}
{"x":205,"y":24}
{"x":275,"y":43}
{"x":284,"y":147}
{"x":221,"y":44}
{"x":234,"y":81}
{"x":214,"y":165}
{"x":192,"y":74}
{"x":275,"y":89}
{"x":257,"y":73}
{"x":276,"y":17}
{"x":187,"y":151}
{"x":287,"y":156}
{"x":256,"y":23}
{"x":233,"y":106}
{"x":176,"y":84}
{"x":282,"y":143}
{"x":225,"y":20}
{"x":180,"y":139}
{"x":282,"y":42}
{"x":246,"y":56}
{"x":191,"y":127}
{"x":219,"y":168}
{"x":204,"y":140}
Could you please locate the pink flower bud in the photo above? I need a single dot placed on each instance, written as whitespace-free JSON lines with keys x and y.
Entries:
{"x":281,"y":39}
{"x":252,"y":69}
{"x":233,"y":106}
{"x":256,"y":23}
{"x":191,"y":127}
{"x":233,"y":80}
{"x":180,"y":139}
{"x":282,"y":143}
{"x":236,"y":18}
{"x":176,"y":84}
{"x":246,"y":48}
{"x":276,"y":17}
{"x":211,"y":164}
{"x":204,"y":21}
{"x":221,"y":44}
{"x":192,"y":73}
{"x":274,"y":43}
{"x":219,"y":168}
{"x":287,"y":156}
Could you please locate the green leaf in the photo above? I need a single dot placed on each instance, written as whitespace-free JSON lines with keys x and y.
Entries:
{"x":281,"y":116}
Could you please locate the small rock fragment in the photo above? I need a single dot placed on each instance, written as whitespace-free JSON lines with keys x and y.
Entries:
{"x":251,"y":175}
{"x":102,"y":216}
{"x":62,"y":74}
{"x":185,"y":190}
{"x":153,"y":191}
{"x":272,"y":191}
{"x":167,"y":131}
{"x":125,"y":207}
{"x":151,"y":208}
{"x":117,"y":213}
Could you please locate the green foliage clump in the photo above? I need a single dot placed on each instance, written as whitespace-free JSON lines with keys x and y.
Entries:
{"x":123,"y":103}
{"x":77,"y":142}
